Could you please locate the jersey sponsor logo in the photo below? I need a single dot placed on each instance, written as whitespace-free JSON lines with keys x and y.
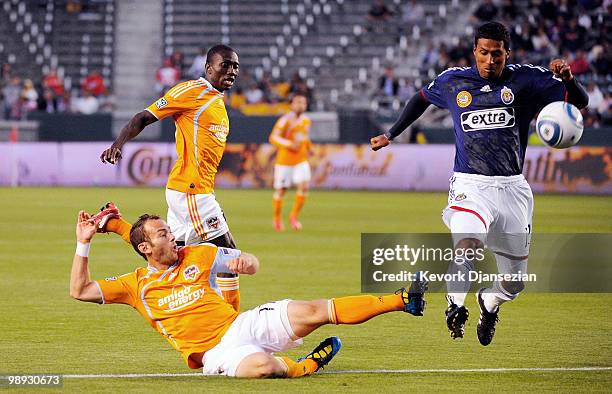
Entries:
{"x":507,"y":96}
{"x":460,"y":197}
{"x":191,"y":272}
{"x":180,"y":298}
{"x":220,"y":131}
{"x":112,"y":278}
{"x":161,"y":103}
{"x":464,"y":98}
{"x":494,"y":118}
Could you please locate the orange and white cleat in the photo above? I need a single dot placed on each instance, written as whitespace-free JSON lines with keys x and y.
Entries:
{"x":107,"y":212}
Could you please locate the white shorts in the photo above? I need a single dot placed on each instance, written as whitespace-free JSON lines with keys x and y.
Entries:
{"x":194,"y":218}
{"x":286,"y":176}
{"x":264,"y":328}
{"x":503,"y":204}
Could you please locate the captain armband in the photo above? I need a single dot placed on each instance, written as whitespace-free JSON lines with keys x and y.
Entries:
{"x":228,"y":284}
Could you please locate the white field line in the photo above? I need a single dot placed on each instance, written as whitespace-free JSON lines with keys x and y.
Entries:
{"x":369,"y":371}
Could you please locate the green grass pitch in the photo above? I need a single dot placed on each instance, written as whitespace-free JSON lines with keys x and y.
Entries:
{"x":45,"y":331}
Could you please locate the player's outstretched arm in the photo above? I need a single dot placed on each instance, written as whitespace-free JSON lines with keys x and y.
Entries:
{"x":415,"y":107}
{"x":576,"y":94}
{"x":141,"y":120}
{"x":81,"y":286}
{"x":246,"y":263}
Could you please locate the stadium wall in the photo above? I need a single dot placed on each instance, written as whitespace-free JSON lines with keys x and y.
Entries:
{"x":400,"y":167}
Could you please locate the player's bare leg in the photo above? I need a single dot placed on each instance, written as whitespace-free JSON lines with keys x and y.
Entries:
{"x":277,"y":208}
{"x":300,"y":199}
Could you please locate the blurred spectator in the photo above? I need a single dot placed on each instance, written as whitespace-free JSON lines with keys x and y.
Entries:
{"x":600,"y":59}
{"x":11,"y":98}
{"x":254,"y":94}
{"x":509,"y":11}
{"x":596,"y":97}
{"x":541,"y":43}
{"x":87,"y":104}
{"x":388,"y":85}
{"x":5,"y":74}
{"x":28,"y":97}
{"x":166,"y":76}
{"x":378,"y":14}
{"x":486,"y":11}
{"x":73,"y":6}
{"x":47,"y":102}
{"x":237,"y":98}
{"x":197,"y":67}
{"x":548,"y":10}
{"x":64,"y":102}
{"x":413,"y":13}
{"x":54,"y":82}
{"x":605,"y":111}
{"x":178,"y":61}
{"x":406,"y":89}
{"x":281,"y":89}
{"x":298,"y":85}
{"x":94,"y":84}
{"x":580,"y":64}
{"x":572,"y":36}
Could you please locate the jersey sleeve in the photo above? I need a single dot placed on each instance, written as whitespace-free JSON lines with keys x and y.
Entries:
{"x":276,"y":137}
{"x":433,"y":93}
{"x":223,"y":256}
{"x":119,"y":290}
{"x":545,"y":87}
{"x":175,"y":100}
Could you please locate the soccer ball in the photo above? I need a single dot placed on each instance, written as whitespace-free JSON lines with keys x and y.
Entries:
{"x":559,"y":125}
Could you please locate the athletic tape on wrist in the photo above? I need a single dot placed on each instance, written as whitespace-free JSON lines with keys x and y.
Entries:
{"x":82,"y":249}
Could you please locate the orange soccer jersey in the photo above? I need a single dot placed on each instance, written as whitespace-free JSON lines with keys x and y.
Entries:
{"x":179,"y":302}
{"x":291,"y":128}
{"x":202,"y":127}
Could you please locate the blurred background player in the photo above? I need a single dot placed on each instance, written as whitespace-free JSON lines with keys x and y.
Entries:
{"x":290,"y":136}
{"x":202,"y":126}
{"x":208,"y":332}
{"x":489,"y":200}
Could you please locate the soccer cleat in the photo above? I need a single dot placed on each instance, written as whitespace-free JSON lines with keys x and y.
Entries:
{"x":456,"y":317}
{"x":324,"y":352}
{"x":487,"y":321}
{"x":107,"y":212}
{"x":414,"y":303}
{"x":278,"y":225}
{"x":295,"y":224}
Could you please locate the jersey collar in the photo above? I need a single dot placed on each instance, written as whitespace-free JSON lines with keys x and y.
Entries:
{"x":209,"y":85}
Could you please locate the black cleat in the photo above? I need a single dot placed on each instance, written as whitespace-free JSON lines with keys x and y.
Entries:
{"x":414,"y":301}
{"x":456,"y":317}
{"x":486,"y":322}
{"x":324,"y":352}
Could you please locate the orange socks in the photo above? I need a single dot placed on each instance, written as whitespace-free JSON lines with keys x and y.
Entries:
{"x":121,"y":227}
{"x":298,"y":369}
{"x":297,"y":205}
{"x":358,"y":309}
{"x":277,"y":207}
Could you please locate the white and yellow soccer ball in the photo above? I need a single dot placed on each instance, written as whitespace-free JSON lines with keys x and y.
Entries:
{"x":559,"y":125}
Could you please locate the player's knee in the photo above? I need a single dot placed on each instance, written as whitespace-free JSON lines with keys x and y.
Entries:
{"x":260,"y":365}
{"x":469,"y":243}
{"x":513,"y":287}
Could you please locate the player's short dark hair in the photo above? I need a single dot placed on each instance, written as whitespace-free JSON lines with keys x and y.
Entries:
{"x":138,"y":234}
{"x":217,"y":49}
{"x":297,"y":94}
{"x":493,"y":31}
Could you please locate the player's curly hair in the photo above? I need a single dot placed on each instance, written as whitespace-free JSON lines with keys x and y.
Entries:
{"x":137,"y":233}
{"x":493,"y":31}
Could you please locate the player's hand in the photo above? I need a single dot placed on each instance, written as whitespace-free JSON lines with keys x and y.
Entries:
{"x":378,"y":142}
{"x":246,"y":263}
{"x":85,"y":228}
{"x":295,"y":146}
{"x":111,"y":155}
{"x":561,"y":69}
